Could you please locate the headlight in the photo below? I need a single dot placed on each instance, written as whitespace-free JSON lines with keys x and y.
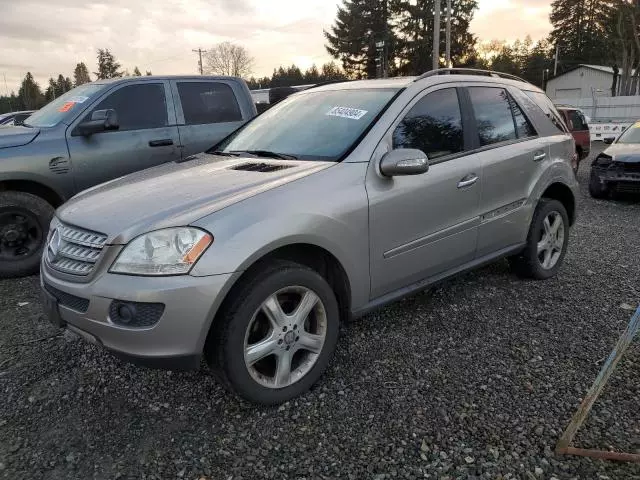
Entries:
{"x":164,"y":252}
{"x":603,"y":160}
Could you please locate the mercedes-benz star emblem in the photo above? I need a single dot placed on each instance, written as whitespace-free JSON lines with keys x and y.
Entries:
{"x":54,"y":245}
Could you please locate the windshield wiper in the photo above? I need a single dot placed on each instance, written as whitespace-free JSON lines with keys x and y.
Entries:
{"x":267,"y":154}
{"x":224,"y":154}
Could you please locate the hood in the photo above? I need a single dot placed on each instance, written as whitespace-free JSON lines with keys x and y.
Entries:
{"x":176,"y":194}
{"x":624,"y":152}
{"x":17,"y":136}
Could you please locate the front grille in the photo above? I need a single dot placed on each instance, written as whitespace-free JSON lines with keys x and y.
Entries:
{"x":74,"y":250}
{"x":78,"y":304}
{"x":628,"y":187}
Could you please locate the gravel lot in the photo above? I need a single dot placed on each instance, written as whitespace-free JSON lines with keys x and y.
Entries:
{"x":474,"y":379}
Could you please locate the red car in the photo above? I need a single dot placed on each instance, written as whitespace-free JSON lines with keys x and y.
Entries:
{"x":577,"y":123}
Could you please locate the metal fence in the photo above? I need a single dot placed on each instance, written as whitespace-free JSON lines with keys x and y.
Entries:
{"x":606,"y":109}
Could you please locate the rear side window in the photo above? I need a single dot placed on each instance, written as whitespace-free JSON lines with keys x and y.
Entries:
{"x":433,"y":125}
{"x":577,"y":120}
{"x":138,"y":107}
{"x":548,"y":108}
{"x":494,"y":119}
{"x":208,"y":102}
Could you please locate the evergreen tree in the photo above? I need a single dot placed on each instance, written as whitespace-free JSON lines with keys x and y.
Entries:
{"x":312,"y":75}
{"x":136,"y":72}
{"x":64,"y":84}
{"x":30,"y":95}
{"x":81,"y":74}
{"x":580,"y":31}
{"x":148,"y":74}
{"x":359,"y":25}
{"x":415,"y":23}
{"x":107,"y":65}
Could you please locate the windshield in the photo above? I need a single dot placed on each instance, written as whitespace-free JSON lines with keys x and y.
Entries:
{"x":315,"y":125}
{"x":631,"y":135}
{"x":63,"y":106}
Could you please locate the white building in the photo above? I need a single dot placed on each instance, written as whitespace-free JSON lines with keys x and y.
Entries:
{"x":584,"y":81}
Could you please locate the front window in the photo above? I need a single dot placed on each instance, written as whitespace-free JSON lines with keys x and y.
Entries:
{"x":63,"y":107}
{"x":631,"y":135}
{"x":315,"y":125}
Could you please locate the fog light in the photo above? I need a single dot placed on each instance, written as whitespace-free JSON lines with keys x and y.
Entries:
{"x":135,"y":314}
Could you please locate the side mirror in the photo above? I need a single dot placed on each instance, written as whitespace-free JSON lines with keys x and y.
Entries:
{"x":101,"y":121}
{"x":609,"y":140}
{"x":404,"y":161}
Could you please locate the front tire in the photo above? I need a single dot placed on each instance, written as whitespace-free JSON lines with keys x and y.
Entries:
{"x":24,"y":223}
{"x":547,"y":242}
{"x":276,"y":334}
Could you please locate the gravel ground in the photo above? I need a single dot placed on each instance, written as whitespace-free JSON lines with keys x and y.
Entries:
{"x":474,"y":379}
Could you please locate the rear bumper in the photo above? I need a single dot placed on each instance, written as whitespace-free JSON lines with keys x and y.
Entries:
{"x":176,"y":338}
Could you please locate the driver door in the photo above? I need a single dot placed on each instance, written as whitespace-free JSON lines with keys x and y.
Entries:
{"x":148,"y":135}
{"x":423,"y":225}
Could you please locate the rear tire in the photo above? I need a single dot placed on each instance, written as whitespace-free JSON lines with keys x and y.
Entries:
{"x":546,"y":242}
{"x":596,"y":188}
{"x":24,"y":223}
{"x":244,"y":324}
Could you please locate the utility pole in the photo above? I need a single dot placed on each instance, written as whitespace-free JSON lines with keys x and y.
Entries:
{"x":200,"y":52}
{"x":7,"y":90}
{"x":436,"y":36}
{"x":449,"y":65}
{"x":555,"y":67}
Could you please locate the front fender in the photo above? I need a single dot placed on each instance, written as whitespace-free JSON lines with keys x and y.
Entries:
{"x":236,"y":249}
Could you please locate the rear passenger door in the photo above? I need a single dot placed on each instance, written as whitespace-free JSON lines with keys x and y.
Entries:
{"x":512,"y":155}
{"x":207,"y":111}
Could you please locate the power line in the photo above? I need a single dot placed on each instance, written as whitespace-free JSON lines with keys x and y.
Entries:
{"x":200,"y":52}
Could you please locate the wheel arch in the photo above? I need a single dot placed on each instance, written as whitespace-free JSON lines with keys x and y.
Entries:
{"x":39,"y":189}
{"x":562,"y":193}
{"x":310,"y":255}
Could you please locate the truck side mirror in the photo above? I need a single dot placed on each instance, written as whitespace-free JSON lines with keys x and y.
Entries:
{"x":101,"y":121}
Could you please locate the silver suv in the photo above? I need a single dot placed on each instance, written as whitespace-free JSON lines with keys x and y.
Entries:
{"x":337,"y":200}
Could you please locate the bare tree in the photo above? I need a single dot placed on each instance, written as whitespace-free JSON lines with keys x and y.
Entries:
{"x":227,"y":58}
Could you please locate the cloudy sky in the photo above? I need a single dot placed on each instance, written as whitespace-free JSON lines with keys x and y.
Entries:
{"x":48,"y":37}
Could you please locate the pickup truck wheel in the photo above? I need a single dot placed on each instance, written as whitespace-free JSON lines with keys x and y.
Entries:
{"x":276,"y":334}
{"x":24,"y":222}
{"x":547,"y":242}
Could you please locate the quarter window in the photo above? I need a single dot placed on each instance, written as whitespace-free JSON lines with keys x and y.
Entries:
{"x":494,"y":119}
{"x":208,"y":102}
{"x":523,"y":125}
{"x":548,"y":108}
{"x":433,"y":125}
{"x":138,"y":107}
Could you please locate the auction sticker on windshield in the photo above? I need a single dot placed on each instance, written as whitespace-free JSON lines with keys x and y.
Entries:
{"x":347,"y":112}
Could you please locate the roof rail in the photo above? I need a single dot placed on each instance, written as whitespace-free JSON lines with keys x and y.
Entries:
{"x":468,"y":71}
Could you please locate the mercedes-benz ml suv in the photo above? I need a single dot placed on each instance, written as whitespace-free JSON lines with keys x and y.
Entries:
{"x":337,"y":200}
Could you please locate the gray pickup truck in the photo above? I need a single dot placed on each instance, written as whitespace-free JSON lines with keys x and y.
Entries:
{"x":100,"y":131}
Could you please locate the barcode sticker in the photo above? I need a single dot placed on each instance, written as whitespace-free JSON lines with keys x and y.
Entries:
{"x":347,"y":112}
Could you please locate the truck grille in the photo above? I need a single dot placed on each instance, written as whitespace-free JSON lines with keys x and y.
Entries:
{"x":73,"y":250}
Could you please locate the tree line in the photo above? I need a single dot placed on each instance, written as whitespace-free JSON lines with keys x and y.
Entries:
{"x":369,"y":37}
{"x":31,"y":96}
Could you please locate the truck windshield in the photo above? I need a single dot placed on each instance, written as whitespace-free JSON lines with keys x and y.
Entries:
{"x":64,"y":106}
{"x":314,"y":125}
{"x":631,"y":135}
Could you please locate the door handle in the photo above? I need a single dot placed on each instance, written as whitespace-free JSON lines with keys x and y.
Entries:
{"x":468,"y":180}
{"x":161,"y":143}
{"x":539,"y":156}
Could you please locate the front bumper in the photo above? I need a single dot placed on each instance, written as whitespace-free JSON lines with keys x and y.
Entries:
{"x":624,"y":180}
{"x":175,"y":341}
